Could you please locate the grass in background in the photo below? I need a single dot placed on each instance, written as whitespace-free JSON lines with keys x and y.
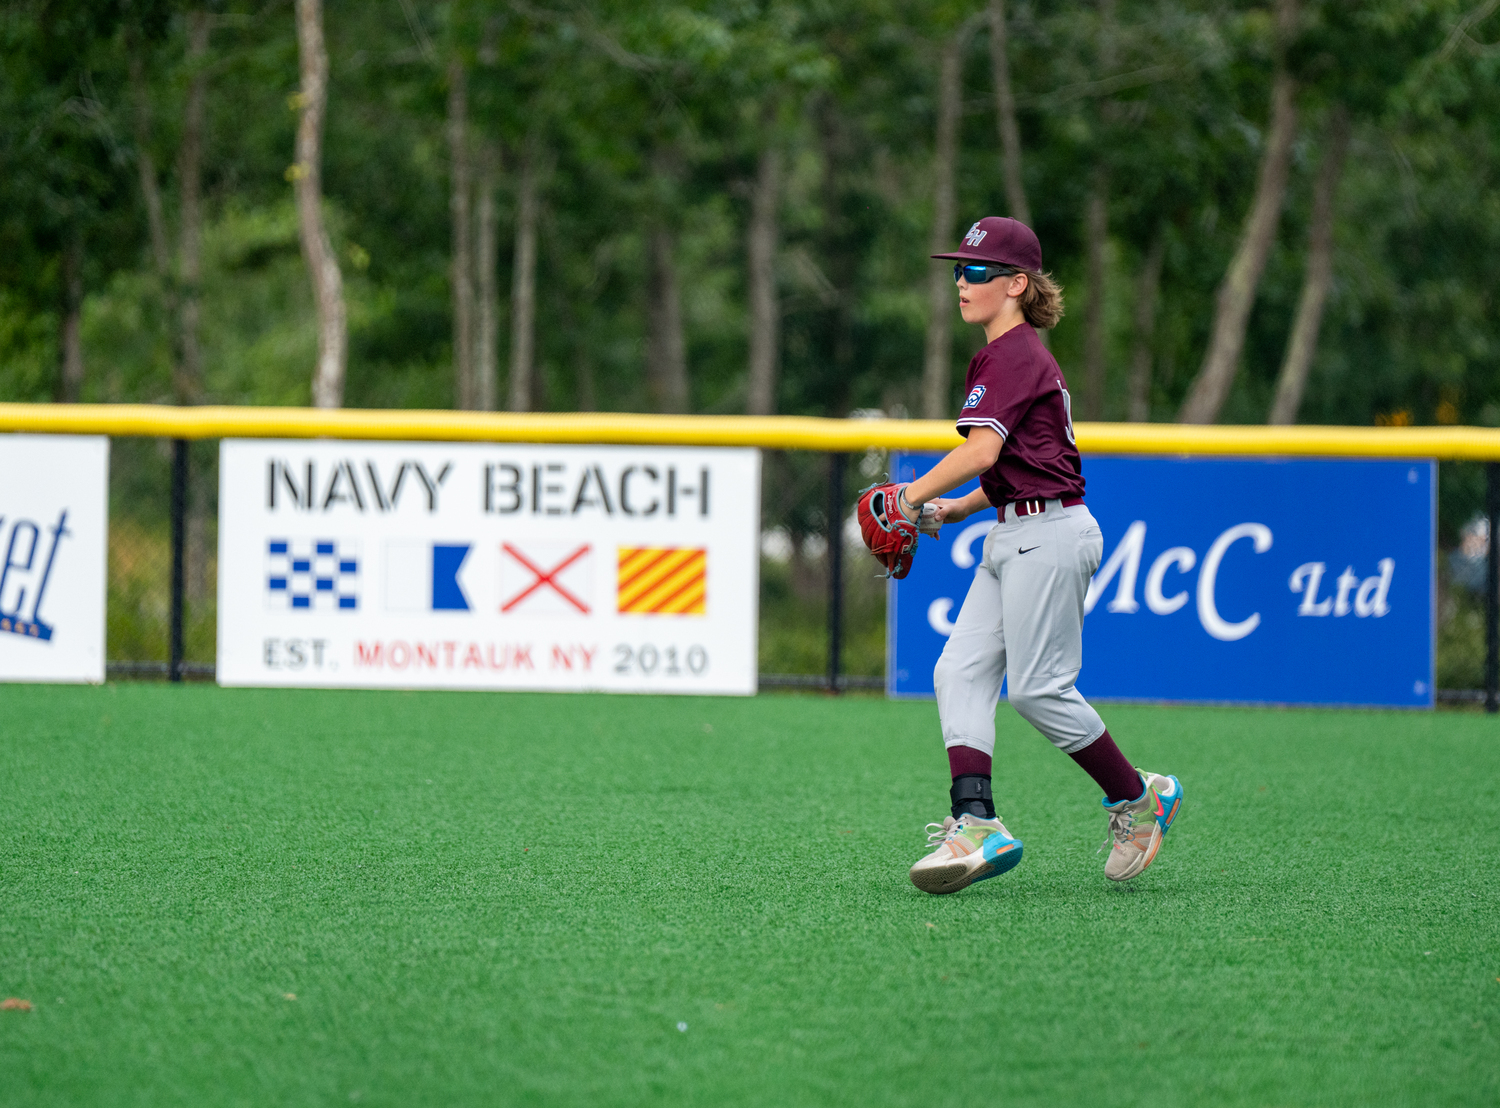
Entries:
{"x":137,"y":611}
{"x":1460,"y":640}
{"x":794,"y":620}
{"x":281,"y":897}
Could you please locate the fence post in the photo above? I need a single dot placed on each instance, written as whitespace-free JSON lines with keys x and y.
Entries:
{"x":835,"y":567}
{"x":179,"y":528}
{"x":1492,"y":590}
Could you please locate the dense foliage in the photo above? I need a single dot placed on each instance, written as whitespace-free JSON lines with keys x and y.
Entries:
{"x":643,"y":114}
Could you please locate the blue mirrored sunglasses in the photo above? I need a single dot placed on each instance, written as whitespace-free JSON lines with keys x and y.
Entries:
{"x":980,"y":274}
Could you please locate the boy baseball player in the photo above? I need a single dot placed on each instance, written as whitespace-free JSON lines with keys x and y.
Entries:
{"x":1023,"y":616}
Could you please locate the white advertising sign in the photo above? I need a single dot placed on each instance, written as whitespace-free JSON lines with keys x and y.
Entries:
{"x":54,"y":527}
{"x":478,"y":566}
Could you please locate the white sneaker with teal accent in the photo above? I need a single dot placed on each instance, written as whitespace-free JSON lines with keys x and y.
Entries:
{"x":1136,"y":826}
{"x":968,"y":849}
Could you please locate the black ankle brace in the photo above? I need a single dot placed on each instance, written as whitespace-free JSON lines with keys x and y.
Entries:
{"x":971,"y":795}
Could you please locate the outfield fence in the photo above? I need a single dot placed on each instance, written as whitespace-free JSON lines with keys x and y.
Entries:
{"x":163,"y":496}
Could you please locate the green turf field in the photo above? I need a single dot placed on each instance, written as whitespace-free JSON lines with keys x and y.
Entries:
{"x":499,"y":899}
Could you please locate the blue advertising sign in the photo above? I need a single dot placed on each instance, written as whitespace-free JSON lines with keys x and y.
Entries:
{"x":1264,"y":580}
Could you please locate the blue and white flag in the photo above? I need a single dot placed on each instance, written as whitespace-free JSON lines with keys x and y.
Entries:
{"x":425,"y":576}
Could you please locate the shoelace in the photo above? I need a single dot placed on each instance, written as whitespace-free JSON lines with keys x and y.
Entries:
{"x":938,"y":833}
{"x":1121,"y":828}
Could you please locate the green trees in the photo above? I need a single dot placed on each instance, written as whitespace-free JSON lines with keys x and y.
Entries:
{"x":1260,"y":211}
{"x":1236,"y":295}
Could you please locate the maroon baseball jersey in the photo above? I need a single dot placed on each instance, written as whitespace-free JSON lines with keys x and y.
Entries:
{"x":1016,"y":388}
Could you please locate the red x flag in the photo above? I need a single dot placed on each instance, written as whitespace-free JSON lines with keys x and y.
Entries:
{"x":546,"y":578}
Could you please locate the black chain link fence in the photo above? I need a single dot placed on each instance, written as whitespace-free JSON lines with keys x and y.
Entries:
{"x":138,"y":637}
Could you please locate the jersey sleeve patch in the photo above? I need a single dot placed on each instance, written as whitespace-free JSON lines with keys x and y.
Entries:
{"x":975,"y":396}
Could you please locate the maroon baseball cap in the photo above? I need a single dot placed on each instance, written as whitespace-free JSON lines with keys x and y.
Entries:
{"x":1000,"y":241}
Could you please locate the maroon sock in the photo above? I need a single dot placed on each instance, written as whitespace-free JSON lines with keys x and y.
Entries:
{"x":1110,"y":769}
{"x":965,"y":759}
{"x":971,"y":783}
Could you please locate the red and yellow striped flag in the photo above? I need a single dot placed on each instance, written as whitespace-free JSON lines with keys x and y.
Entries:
{"x":663,"y":581}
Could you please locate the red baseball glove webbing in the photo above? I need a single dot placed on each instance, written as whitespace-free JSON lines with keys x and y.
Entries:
{"x":891,"y":537}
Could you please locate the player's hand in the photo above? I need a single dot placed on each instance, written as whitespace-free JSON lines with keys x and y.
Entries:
{"x":949,"y":511}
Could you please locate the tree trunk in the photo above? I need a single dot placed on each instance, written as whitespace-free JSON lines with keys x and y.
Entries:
{"x":1236,"y":294}
{"x":1147,"y":287}
{"x":1096,"y":230}
{"x":188,"y":384}
{"x":523,"y":286}
{"x":1304,"y":337}
{"x":70,"y":344}
{"x":487,"y":308}
{"x":583,"y":366}
{"x":1005,"y":117}
{"x":836,"y":244}
{"x":461,"y":269}
{"x":666,"y":348}
{"x":188,"y":381}
{"x":937,"y":354}
{"x":145,"y":164}
{"x":1094,"y":357}
{"x":765,"y":314}
{"x":317,"y":250}
{"x":156,"y":222}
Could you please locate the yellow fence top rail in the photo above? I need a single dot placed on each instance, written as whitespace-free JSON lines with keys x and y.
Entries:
{"x":778,"y":432}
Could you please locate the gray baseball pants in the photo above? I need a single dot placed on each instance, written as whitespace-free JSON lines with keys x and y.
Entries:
{"x":1024,"y":617}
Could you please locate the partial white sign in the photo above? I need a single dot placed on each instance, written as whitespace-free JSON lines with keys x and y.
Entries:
{"x":54,"y":527}
{"x":476,"y":566}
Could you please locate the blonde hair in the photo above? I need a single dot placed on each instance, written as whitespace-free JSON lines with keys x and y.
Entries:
{"x":1042,"y":302}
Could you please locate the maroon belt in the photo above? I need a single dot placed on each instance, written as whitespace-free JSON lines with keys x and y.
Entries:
{"x":1037,"y":507}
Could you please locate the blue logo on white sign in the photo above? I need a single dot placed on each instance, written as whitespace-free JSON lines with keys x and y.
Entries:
{"x":316,"y":575}
{"x":23,"y":580}
{"x":974,"y":397}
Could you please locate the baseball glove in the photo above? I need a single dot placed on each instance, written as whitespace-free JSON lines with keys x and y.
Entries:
{"x":891,"y":537}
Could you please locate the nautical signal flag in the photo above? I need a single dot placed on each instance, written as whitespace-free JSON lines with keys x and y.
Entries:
{"x":546,"y":578}
{"x":311,"y":574}
{"x":424,"y":576}
{"x":663,"y":580}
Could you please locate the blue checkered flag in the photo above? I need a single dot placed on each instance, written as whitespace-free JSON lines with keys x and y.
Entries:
{"x":318,"y":575}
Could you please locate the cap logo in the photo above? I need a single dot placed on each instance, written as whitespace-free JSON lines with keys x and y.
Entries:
{"x":975,"y":236}
{"x":974,"y":397}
